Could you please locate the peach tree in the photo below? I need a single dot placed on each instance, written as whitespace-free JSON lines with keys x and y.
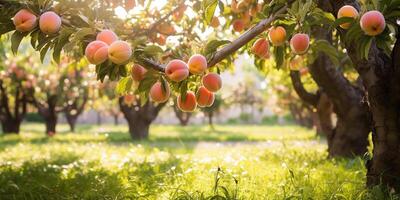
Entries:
{"x":323,"y":33}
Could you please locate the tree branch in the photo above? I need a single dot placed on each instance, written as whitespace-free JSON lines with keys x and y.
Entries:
{"x":230,"y":48}
{"x":298,"y":86}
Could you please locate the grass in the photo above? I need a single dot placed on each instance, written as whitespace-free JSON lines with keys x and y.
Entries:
{"x":195,"y":162}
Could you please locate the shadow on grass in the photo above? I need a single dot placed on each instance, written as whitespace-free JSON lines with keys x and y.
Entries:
{"x":67,"y":176}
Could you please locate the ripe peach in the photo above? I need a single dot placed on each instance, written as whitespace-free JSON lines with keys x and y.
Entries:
{"x":161,"y":39}
{"x":166,"y":29}
{"x":138,"y":72}
{"x":119,"y":52}
{"x":129,"y":99}
{"x":261,"y":48}
{"x":96,"y":52}
{"x":187,"y":104}
{"x":373,"y":23}
{"x":238,"y":25}
{"x":347,"y":11}
{"x":197,"y":64}
{"x":107,"y":36}
{"x":158,"y":94}
{"x":129,"y":4}
{"x":300,"y":43}
{"x":24,"y":21}
{"x":212,"y":82}
{"x":50,"y":22}
{"x":215,"y":22}
{"x":277,"y":35}
{"x":177,"y":70}
{"x":204,"y":98}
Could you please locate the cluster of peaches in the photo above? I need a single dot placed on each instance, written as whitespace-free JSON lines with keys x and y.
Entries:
{"x":372,"y":23}
{"x":246,"y":9}
{"x":107,"y":46}
{"x":177,"y":71}
{"x":25,"y":21}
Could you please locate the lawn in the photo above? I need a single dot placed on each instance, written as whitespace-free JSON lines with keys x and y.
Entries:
{"x":194,"y":162}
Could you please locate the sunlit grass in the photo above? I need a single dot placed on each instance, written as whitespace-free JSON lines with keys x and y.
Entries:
{"x":280,"y":163}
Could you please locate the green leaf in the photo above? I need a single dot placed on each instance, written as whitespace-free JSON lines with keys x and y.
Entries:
{"x":329,"y":50}
{"x":16,"y":39}
{"x":43,"y":51}
{"x":213,"y":45}
{"x":153,"y":50}
{"x":124,"y":85}
{"x":210,"y":10}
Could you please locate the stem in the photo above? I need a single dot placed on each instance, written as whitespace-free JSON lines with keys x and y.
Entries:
{"x":232,"y":47}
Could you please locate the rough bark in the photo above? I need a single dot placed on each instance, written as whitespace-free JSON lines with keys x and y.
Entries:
{"x":139,"y":118}
{"x":183,"y":117}
{"x":11,"y":119}
{"x":380,"y":74}
{"x":49,"y":111}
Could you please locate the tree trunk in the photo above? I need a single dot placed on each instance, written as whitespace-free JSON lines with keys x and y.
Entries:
{"x":51,"y":123}
{"x":98,"y":121}
{"x":210,"y":118}
{"x":139,"y":128}
{"x":71,"y":119}
{"x":183,"y":117}
{"x":116,"y":121}
{"x":139,"y":118}
{"x":10,"y":126}
{"x":350,"y":137}
{"x":380,"y":75}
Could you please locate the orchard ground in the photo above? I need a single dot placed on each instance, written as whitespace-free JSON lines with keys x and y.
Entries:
{"x":242,"y":162}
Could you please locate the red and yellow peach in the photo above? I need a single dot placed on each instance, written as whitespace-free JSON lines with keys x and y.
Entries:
{"x":261,"y":48}
{"x":159,"y":94}
{"x":187,"y":104}
{"x":50,"y":23}
{"x":107,"y":36}
{"x":119,"y":52}
{"x":277,"y":35}
{"x":177,"y":70}
{"x":373,"y":23}
{"x":347,"y":11}
{"x":96,"y":52}
{"x":138,"y":72}
{"x":212,"y":82}
{"x":300,"y":43}
{"x":205,"y":98}
{"x":197,"y":64}
{"x":24,"y":21}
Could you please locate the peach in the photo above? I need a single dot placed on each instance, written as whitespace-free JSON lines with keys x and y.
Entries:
{"x":197,"y":64}
{"x":212,"y":82}
{"x":161,"y":39}
{"x":238,"y":25}
{"x":215,"y":22}
{"x":205,"y":98}
{"x":50,"y":22}
{"x":373,"y":23}
{"x":138,"y":72}
{"x":187,"y":104}
{"x":96,"y":52}
{"x":261,"y":48}
{"x":129,"y":4}
{"x":159,"y":94}
{"x":129,"y":99}
{"x":277,"y":35}
{"x":24,"y":21}
{"x":347,"y":11}
{"x":300,"y":43}
{"x":166,"y":29}
{"x":107,"y":36}
{"x":177,"y":70}
{"x":119,"y":52}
